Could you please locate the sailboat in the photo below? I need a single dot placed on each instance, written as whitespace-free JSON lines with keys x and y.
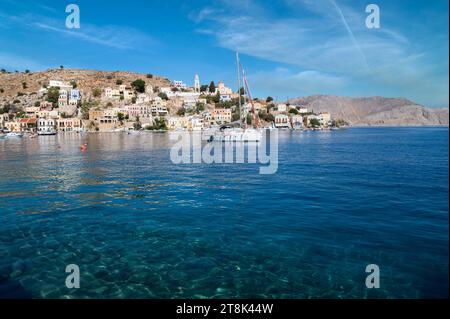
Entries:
{"x":243,"y":133}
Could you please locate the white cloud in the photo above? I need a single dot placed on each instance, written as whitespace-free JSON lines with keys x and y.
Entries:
{"x":118,"y":37}
{"x":111,"y":36}
{"x":332,"y":39}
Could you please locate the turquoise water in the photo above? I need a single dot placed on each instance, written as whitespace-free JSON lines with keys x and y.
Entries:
{"x":139,"y":226}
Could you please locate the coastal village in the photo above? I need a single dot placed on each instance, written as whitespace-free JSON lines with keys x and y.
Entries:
{"x":131,"y":105}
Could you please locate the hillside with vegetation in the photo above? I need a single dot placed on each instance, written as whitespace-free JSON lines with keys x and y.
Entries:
{"x":20,"y":89}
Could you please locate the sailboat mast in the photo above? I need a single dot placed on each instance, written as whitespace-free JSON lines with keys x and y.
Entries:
{"x":238,"y":65}
{"x":250,"y":97}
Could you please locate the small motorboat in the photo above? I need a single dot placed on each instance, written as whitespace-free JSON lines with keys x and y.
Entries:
{"x":14,"y":135}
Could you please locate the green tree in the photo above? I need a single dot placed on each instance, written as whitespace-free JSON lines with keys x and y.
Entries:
{"x":24,"y":85}
{"x":37,"y":104}
{"x":293,"y":111}
{"x":74,"y":84}
{"x":199,"y":107}
{"x":27,"y":71}
{"x":149,"y":76}
{"x":53,"y":95}
{"x":139,"y":85}
{"x":181,"y":111}
{"x":226,"y":104}
{"x":249,"y":119}
{"x":120,"y":116}
{"x":163,"y":96}
{"x":20,"y":115}
{"x":269,"y":99}
{"x":119,"y":82}
{"x":61,"y":67}
{"x":204,"y":88}
{"x":96,"y":92}
{"x":137,"y":124}
{"x":158,"y":124}
{"x":314,"y":122}
{"x":216,"y":98}
{"x":85,"y":107}
{"x":212,"y":87}
{"x":262,"y":115}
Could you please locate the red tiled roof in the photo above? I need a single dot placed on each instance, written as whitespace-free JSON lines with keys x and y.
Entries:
{"x":28,"y":121}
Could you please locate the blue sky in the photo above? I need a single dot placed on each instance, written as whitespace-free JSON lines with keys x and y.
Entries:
{"x":289,"y":47}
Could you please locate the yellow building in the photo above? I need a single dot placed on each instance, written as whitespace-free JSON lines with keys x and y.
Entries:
{"x":324,"y":118}
{"x":13,"y":126}
{"x":69,"y":125}
{"x":103,"y":120}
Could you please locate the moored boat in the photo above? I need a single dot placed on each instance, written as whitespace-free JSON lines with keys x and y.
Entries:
{"x":13,"y":135}
{"x":49,"y":132}
{"x":243,"y":133}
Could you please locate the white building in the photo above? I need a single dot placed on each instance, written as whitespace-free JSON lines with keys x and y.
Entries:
{"x":159,"y":110}
{"x":128,"y":95}
{"x":179,"y":84}
{"x":225,"y":92}
{"x":141,"y":111}
{"x":282,"y":107}
{"x":281,"y":121}
{"x":113,"y":94}
{"x":222,"y":116}
{"x":142,"y":98}
{"x":46,"y":125}
{"x":32,"y":111}
{"x":302,"y":110}
{"x":249,"y":106}
{"x":62,"y":85}
{"x":195,"y":123}
{"x":62,"y":100}
{"x":177,"y":122}
{"x":324,"y":119}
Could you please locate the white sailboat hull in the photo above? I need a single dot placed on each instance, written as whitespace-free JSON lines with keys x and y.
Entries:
{"x":237,"y":135}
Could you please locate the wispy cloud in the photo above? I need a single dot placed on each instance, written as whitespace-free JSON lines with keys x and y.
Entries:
{"x":332,"y":39}
{"x":113,"y":36}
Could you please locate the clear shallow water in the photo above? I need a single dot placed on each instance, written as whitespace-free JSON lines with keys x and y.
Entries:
{"x":141,"y":227}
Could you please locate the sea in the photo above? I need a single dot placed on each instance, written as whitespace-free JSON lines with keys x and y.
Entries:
{"x":137,"y":225}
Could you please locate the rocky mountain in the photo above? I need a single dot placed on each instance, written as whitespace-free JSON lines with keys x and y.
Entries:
{"x":23,"y":86}
{"x":375,"y":111}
